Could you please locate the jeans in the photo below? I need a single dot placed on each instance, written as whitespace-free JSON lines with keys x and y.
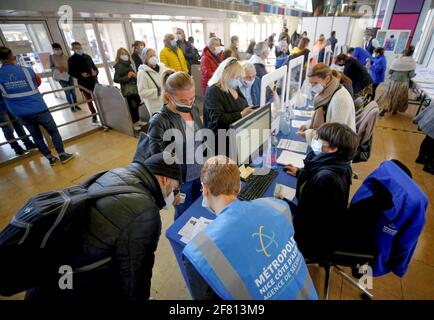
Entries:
{"x":8,"y":130}
{"x":191,"y":189}
{"x":88,"y":96}
{"x":45,"y":120}
{"x":70,"y":94}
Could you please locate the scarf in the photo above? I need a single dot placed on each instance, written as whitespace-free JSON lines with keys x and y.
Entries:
{"x":403,"y":64}
{"x":322,"y":100}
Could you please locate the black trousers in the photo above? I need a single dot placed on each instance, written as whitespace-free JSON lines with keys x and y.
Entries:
{"x":427,"y":149}
{"x":133,"y":104}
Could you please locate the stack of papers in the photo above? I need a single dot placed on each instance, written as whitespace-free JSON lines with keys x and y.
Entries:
{"x":283,"y":191}
{"x":192,"y":228}
{"x":288,"y":157}
{"x":297,"y":123}
{"x":292,"y":145}
{"x":303,"y":113}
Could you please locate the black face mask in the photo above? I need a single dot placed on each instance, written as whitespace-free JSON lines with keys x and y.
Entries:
{"x":183,"y":108}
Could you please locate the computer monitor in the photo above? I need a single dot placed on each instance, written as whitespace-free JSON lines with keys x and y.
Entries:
{"x":295,"y":75}
{"x":250,"y":134}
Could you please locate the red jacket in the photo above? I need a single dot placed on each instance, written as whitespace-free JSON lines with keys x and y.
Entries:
{"x":208,"y":65}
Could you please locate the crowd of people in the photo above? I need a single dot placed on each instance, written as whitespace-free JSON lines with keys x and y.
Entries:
{"x":231,"y":89}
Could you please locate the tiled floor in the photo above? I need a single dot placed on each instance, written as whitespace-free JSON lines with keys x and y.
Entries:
{"x":395,"y":137}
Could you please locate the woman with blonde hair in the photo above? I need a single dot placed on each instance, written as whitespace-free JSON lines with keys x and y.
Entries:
{"x":179,"y":115}
{"x":224,"y":102}
{"x":125,"y":75}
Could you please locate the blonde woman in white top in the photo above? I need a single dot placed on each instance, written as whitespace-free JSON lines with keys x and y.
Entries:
{"x":149,"y":81}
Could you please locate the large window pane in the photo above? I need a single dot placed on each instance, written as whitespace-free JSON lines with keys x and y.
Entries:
{"x":250,"y":33}
{"x":257,"y":32}
{"x":264,"y":34}
{"x":143,"y":32}
{"x":112,"y":38}
{"x":161,"y":28}
{"x":30,"y":43}
{"x":84,"y":33}
{"x":199,"y":38}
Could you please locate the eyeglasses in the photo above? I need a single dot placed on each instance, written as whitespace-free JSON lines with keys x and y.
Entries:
{"x":233,"y":61}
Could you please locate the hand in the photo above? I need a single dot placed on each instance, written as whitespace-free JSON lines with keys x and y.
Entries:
{"x":292,"y":170}
{"x":94,"y":73}
{"x":84,"y":74}
{"x":302,"y":128}
{"x":301,"y":133}
{"x":177,"y":199}
{"x":246,"y":111}
{"x":131,"y":74}
{"x":279,"y":196}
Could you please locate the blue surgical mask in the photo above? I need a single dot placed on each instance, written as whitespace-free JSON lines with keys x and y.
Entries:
{"x":316,"y":146}
{"x":79,"y":52}
{"x":173,"y":43}
{"x":232,"y":83}
{"x":205,"y":205}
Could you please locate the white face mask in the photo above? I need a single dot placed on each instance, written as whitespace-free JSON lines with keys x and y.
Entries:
{"x":246,"y":83}
{"x":124,"y":57}
{"x":316,"y":146}
{"x":169,"y":200}
{"x":318,"y":88}
{"x":218,"y":50}
{"x":205,"y":205}
{"x":153,"y":61}
{"x":58,"y":52}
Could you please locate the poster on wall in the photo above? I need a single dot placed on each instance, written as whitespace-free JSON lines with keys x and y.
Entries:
{"x":393,"y":41}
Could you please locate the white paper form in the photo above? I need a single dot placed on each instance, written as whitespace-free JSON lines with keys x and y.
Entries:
{"x":289,"y":157}
{"x":297,"y":123}
{"x":303,"y":113}
{"x":292,"y":145}
{"x":284,"y":191}
{"x":192,"y":228}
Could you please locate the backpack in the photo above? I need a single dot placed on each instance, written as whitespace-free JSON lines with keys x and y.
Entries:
{"x":42,"y":233}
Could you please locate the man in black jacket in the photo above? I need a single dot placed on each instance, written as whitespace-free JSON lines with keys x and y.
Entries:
{"x":323,"y":187}
{"x":125,"y":227}
{"x":81,"y":67}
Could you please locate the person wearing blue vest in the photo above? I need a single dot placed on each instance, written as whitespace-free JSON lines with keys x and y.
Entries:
{"x":18,"y":86}
{"x":10,"y":125}
{"x":248,"y":252}
{"x":370,"y":43}
{"x":362,"y":55}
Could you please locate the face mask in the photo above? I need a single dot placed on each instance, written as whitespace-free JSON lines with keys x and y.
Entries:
{"x":318,"y":88}
{"x":182,"y":107}
{"x":79,"y":52}
{"x":124,"y":57}
{"x":173,"y":43}
{"x":217,"y":51}
{"x":205,"y":205}
{"x":246,"y":83}
{"x":58,"y":52}
{"x":232,"y":83}
{"x":179,"y":37}
{"x":316,"y":146}
{"x":153,"y":61}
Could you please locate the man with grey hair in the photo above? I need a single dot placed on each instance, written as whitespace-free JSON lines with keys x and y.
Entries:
{"x":211,"y":58}
{"x":250,"y":85}
{"x":260,"y":54}
{"x":172,"y":55}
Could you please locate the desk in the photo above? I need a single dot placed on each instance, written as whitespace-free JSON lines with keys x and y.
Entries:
{"x":424,"y":82}
{"x":196,"y":210}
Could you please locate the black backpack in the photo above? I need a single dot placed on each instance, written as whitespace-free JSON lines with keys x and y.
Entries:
{"x":39,"y":237}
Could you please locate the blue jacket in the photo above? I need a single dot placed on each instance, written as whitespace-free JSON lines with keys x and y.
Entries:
{"x":399,"y":228}
{"x":20,"y":91}
{"x":361,"y":55}
{"x":378,"y":69}
{"x":248,"y":252}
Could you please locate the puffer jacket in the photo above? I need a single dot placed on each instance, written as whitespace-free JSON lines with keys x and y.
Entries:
{"x":165,"y":120}
{"x":208,"y":65}
{"x":174,"y":60}
{"x":151,"y":93}
{"x":125,"y":227}
{"x":122,"y":68}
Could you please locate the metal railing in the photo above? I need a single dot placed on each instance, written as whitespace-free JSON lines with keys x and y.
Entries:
{"x":56,"y":108}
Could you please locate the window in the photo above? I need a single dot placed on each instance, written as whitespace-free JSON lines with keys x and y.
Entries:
{"x":197,"y":34}
{"x":85,"y":34}
{"x":112,"y":38}
{"x":162,"y":28}
{"x":143,"y":31}
{"x":30,"y":43}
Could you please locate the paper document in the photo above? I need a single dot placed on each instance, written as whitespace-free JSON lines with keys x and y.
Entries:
{"x":192,"y":228}
{"x":292,"y":145}
{"x":288,"y":157}
{"x":303,"y":113}
{"x":297,"y":123}
{"x":282,"y":191}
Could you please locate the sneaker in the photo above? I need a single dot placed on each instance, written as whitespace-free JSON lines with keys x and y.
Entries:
{"x":65,"y":157}
{"x":94,"y":119}
{"x":19,"y":151}
{"x":52,"y":160}
{"x":30,"y":146}
{"x":77,"y":108}
{"x":73,"y":109}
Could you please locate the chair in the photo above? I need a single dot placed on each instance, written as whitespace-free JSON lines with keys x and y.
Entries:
{"x":388,"y":211}
{"x":366,"y":118}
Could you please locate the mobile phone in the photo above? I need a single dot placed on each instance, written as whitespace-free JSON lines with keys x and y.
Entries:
{"x":182,"y":196}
